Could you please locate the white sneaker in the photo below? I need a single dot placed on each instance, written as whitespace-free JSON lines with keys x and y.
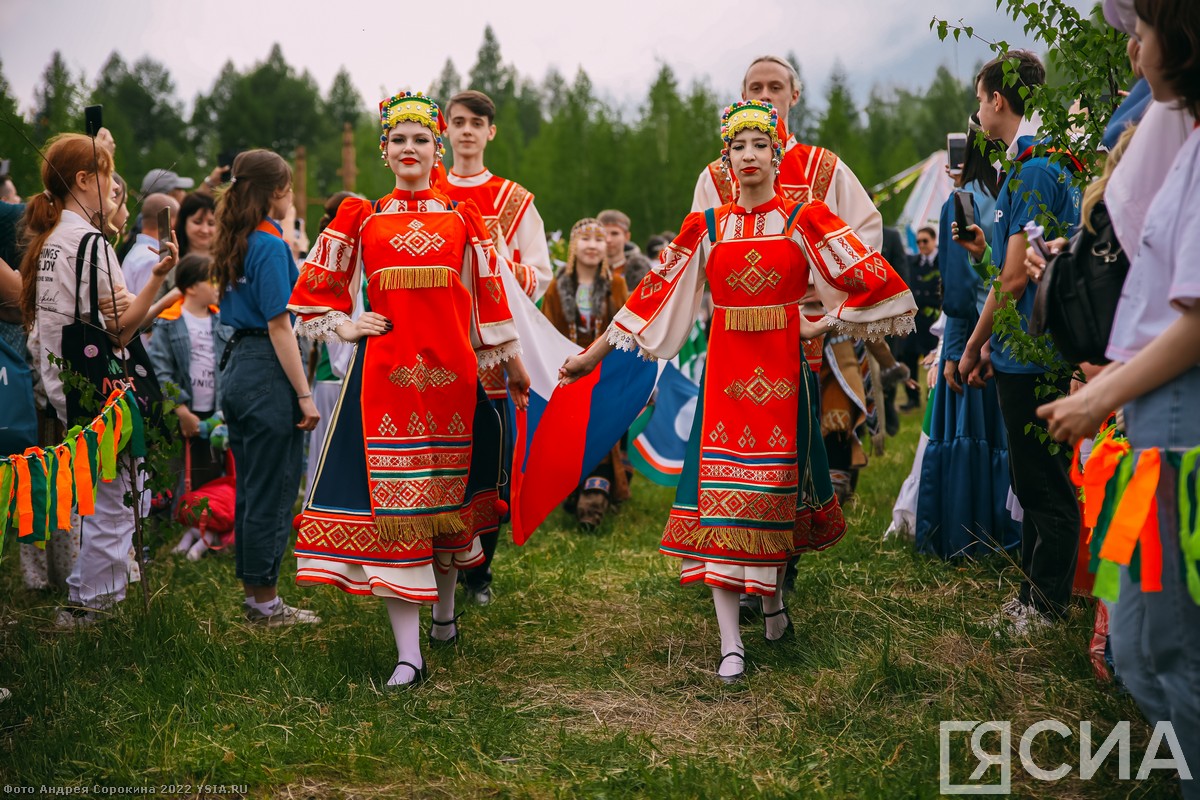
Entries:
{"x":75,"y":618}
{"x":1019,"y":619}
{"x":282,"y":615}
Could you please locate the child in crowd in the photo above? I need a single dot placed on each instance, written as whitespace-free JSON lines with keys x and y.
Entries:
{"x":187,"y":345}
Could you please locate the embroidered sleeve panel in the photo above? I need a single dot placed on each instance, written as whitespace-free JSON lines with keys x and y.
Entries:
{"x":529,"y":248}
{"x":662,"y":308}
{"x":491,"y":320}
{"x":327,"y":275}
{"x":862,"y":294}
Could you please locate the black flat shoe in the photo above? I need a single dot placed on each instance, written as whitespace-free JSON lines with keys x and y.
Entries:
{"x":786,"y":631}
{"x":444,"y":642}
{"x":729,"y":680}
{"x":419,"y":676}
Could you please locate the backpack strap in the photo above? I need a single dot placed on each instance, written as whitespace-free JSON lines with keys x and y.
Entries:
{"x":85,"y":260}
{"x":710,"y":222}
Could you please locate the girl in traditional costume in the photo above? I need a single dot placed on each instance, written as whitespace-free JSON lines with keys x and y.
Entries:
{"x":755,"y":486}
{"x":407,"y":478}
{"x":581,"y":302}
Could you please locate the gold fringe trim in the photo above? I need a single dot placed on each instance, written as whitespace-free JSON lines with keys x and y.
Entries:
{"x":741,"y":539}
{"x":422,"y":529}
{"x":414,"y":278}
{"x":757,"y":318}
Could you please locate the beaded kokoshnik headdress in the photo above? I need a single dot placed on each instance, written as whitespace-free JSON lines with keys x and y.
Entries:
{"x":746,"y":114}
{"x":409,"y":107}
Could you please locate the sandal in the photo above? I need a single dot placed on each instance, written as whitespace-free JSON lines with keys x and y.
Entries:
{"x":435,"y":642}
{"x":729,"y":680}
{"x":420,"y":675}
{"x":787,"y":631}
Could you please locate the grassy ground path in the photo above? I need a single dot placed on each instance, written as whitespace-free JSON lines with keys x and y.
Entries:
{"x":590,"y":676}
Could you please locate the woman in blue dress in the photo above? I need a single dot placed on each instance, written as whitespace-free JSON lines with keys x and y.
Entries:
{"x":961,"y":511}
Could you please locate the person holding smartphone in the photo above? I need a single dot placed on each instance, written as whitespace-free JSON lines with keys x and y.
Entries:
{"x":962,"y":506}
{"x":142,"y":257}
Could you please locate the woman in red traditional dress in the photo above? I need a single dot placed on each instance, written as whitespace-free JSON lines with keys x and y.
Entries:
{"x":755,"y":485}
{"x":407,"y":478}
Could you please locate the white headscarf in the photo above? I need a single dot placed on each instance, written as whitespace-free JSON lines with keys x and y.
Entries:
{"x":1120,"y":14}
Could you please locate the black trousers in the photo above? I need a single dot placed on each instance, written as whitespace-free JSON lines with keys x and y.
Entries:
{"x":1041,"y":481}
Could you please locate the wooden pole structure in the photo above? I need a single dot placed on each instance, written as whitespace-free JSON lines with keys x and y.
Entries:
{"x":349,"y":170}
{"x":300,"y":183}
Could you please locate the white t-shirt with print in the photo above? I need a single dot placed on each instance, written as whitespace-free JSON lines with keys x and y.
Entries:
{"x":56,"y":298}
{"x":203,"y":363}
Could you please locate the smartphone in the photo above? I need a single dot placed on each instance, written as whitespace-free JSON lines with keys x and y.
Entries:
{"x":956,"y":151}
{"x":164,"y":231}
{"x":964,"y":215}
{"x":225,"y":162}
{"x":5,"y":167}
{"x":93,"y":119}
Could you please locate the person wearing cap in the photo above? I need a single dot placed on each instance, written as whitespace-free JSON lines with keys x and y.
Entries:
{"x":164,"y":181}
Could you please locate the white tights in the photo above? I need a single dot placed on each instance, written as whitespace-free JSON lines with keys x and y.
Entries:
{"x":406,"y":621}
{"x":726,"y":605}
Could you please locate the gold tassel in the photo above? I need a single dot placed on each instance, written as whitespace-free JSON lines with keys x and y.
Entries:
{"x":755,"y":318}
{"x":414,"y":278}
{"x":729,"y":538}
{"x":420,"y":529}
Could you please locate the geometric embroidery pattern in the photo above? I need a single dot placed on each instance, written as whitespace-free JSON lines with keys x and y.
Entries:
{"x":725,"y":471}
{"x":431,"y":492}
{"x":386,"y":426}
{"x":748,"y":505}
{"x":753,"y":279}
{"x":747,"y":439}
{"x":718,"y":434}
{"x":416,"y":241}
{"x":421,"y":377}
{"x":778,"y":439}
{"x":759,"y":389}
{"x":456,"y":425}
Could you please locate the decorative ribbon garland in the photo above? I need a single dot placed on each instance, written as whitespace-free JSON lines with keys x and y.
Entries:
{"x":1120,"y":507}
{"x":38,"y":488}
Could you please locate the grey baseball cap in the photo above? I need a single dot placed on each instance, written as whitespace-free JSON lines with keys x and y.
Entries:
{"x":164,"y":180}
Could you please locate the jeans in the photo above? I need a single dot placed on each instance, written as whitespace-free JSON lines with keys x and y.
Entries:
{"x":261,"y":410}
{"x":1156,"y":635}
{"x":1042,"y":482}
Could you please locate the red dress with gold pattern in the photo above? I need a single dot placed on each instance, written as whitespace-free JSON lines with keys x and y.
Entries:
{"x":755,"y":484}
{"x":410,"y":462}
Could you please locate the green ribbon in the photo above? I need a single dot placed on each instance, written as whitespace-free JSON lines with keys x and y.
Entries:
{"x":40,"y":498}
{"x":108,"y":461}
{"x":1108,"y":574}
{"x":7,"y":475}
{"x":1189,"y":529}
{"x":137,"y":430}
{"x":126,"y":427}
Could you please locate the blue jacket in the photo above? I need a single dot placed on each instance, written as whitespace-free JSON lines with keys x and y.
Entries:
{"x":171,"y":354}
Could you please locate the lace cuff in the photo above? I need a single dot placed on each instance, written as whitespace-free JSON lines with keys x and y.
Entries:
{"x":322,"y":328}
{"x":499,"y":354}
{"x":892,"y":326}
{"x":621,"y":339}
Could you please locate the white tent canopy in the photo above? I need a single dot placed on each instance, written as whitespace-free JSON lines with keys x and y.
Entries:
{"x":931,"y":188}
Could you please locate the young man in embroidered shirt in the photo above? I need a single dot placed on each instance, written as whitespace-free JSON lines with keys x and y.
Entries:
{"x":1042,"y":191}
{"x":520,"y":237}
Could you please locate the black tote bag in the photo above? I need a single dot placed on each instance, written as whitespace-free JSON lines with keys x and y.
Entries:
{"x":87,"y":351}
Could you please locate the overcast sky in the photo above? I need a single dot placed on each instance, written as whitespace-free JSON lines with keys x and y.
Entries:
{"x":391,"y":46}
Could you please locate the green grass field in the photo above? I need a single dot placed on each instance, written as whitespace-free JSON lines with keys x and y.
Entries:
{"x":590,"y":676}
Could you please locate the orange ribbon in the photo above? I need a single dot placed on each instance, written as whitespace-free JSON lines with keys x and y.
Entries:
{"x":62,"y":485}
{"x":1133,"y":512}
{"x":24,"y":497}
{"x":85,"y":492}
{"x":1101,"y":466}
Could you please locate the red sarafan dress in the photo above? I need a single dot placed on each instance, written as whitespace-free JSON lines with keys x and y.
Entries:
{"x":411,"y":461}
{"x":755,"y":485}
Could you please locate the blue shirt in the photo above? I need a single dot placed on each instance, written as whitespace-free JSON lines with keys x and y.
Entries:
{"x":1039,"y":182}
{"x":268,"y":275}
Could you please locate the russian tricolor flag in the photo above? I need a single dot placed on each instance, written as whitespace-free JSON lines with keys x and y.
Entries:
{"x":567,"y":430}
